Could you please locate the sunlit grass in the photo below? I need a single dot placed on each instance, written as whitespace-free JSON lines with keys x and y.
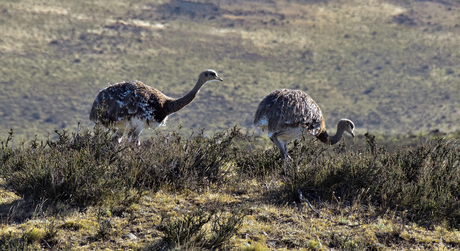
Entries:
{"x":390,"y":66}
{"x":233,"y":194}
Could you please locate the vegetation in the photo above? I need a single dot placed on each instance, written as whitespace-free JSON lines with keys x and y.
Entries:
{"x":228,"y":192}
{"x":390,"y":66}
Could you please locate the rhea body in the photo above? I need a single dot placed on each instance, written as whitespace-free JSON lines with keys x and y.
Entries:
{"x":134,"y":106}
{"x":286,"y":114}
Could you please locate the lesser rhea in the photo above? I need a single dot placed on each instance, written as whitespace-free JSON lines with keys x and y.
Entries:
{"x":285,"y":114}
{"x":135,"y":106}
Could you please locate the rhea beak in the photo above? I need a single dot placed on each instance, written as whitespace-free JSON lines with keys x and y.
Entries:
{"x":352,"y":134}
{"x":219,"y":78}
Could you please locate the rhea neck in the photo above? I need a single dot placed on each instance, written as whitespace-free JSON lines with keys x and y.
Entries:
{"x":325,"y":138}
{"x":177,"y":104}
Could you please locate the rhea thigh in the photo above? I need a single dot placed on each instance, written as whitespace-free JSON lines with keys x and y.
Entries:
{"x":289,"y":134}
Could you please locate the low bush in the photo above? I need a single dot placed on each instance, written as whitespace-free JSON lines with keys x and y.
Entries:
{"x":87,"y":168}
{"x":423,"y":180}
{"x":190,"y":232}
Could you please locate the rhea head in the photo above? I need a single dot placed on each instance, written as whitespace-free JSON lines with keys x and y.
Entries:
{"x":347,"y":126}
{"x":209,"y":76}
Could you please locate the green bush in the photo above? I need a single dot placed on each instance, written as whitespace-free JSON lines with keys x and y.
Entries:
{"x":15,"y":244}
{"x":169,"y":160}
{"x":424,"y":179}
{"x":87,"y":168}
{"x":189,"y":231}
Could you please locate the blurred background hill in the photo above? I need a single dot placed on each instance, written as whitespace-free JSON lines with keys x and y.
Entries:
{"x":392,"y":67}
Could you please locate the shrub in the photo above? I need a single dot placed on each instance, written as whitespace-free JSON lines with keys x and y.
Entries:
{"x":189,"y":231}
{"x":423,"y":179}
{"x":87,"y":168}
{"x":74,"y":168}
{"x":169,"y":160}
{"x":15,"y":244}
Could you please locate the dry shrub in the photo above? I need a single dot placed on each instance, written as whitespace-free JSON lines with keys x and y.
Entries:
{"x":87,"y":168}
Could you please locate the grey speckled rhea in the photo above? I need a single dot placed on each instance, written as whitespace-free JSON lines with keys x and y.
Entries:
{"x":135,"y":106}
{"x":285,"y":114}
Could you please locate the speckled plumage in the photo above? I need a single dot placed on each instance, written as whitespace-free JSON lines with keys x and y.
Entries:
{"x":286,"y":108}
{"x":126,"y":100}
{"x":136,"y":106}
{"x":286,"y":114}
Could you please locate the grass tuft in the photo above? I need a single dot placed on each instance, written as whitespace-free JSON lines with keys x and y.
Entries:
{"x":190,"y":230}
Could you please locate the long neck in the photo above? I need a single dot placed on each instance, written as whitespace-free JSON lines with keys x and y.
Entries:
{"x":325,"y":138}
{"x":179,"y":103}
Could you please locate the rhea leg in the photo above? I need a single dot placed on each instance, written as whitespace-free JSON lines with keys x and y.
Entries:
{"x":281,"y":146}
{"x":283,"y":151}
{"x":117,"y":136}
{"x":136,"y":127}
{"x":134,"y":134}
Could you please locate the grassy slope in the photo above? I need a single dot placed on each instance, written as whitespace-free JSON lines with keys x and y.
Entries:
{"x":390,"y":68}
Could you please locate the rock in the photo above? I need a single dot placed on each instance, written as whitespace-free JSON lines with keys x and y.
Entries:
{"x":129,"y":236}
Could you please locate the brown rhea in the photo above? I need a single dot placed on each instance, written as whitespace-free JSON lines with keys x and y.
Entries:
{"x":135,"y":106}
{"x":285,"y":114}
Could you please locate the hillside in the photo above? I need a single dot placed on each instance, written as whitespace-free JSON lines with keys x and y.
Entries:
{"x":390,"y":66}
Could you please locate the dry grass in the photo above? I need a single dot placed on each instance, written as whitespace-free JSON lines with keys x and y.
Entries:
{"x":390,"y":66}
{"x":228,"y":192}
{"x":274,"y":227}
